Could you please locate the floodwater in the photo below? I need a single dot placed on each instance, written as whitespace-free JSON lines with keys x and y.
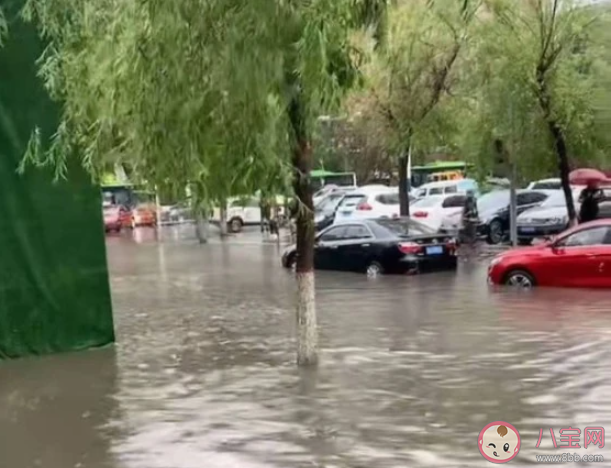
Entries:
{"x":412,"y":368}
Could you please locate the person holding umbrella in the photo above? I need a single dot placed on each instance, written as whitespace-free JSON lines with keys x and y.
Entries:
{"x":590,"y":198}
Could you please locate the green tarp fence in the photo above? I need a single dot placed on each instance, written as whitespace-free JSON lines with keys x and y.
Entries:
{"x":54,"y":289}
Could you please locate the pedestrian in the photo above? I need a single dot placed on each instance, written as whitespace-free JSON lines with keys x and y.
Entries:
{"x":589,"y":199}
{"x":265,"y":215}
{"x":470,"y":220}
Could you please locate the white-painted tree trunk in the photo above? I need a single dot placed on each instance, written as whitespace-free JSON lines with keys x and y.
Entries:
{"x":307,"y":327}
{"x":201,"y":228}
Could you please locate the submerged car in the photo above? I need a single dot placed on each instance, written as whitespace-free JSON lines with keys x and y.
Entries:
{"x":548,"y":219}
{"x":116,"y":217}
{"x":376,"y":246}
{"x":493,"y":211}
{"x":579,"y":257}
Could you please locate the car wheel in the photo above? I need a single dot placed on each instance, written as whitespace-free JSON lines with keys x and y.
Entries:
{"x":525,"y":241}
{"x":519,"y":279}
{"x":374,"y":269}
{"x":235,"y":225}
{"x":495,"y":232}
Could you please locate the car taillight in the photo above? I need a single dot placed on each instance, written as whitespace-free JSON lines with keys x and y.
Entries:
{"x":410,"y":247}
{"x":451,"y":245}
{"x":420,"y":214}
{"x":364,"y":207}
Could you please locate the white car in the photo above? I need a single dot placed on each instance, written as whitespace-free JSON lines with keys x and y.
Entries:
{"x":245,"y":211}
{"x":547,"y":219}
{"x":369,"y":203}
{"x":433,"y":209}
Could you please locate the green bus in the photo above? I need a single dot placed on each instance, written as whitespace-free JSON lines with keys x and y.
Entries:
{"x":320,"y":177}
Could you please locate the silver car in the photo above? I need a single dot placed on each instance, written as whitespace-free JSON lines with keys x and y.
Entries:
{"x":548,"y":219}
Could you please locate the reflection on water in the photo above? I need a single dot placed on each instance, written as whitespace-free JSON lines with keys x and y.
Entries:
{"x":412,"y":369}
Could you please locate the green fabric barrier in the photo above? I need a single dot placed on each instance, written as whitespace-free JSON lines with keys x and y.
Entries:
{"x":54,"y":289}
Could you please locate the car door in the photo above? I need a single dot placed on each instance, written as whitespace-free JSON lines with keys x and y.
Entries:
{"x":252,"y":211}
{"x":326,"y":249}
{"x":579,"y":259}
{"x":355,"y":248}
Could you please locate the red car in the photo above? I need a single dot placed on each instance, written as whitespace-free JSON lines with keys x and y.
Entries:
{"x":116,"y":218}
{"x":579,"y":258}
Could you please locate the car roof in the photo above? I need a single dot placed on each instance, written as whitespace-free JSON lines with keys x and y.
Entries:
{"x":441,"y":183}
{"x":541,"y":181}
{"x":374,"y":190}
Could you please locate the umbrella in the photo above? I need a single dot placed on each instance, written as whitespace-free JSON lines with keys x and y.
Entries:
{"x":587,"y":176}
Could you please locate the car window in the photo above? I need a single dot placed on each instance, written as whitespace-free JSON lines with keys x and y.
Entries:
{"x":528,"y":198}
{"x":435,"y":191}
{"x":450,"y":189}
{"x":421,"y":193}
{"x":388,"y":198}
{"x":457,"y":201}
{"x":356,"y":232}
{"x":594,"y":236}
{"x":538,"y":197}
{"x":334,"y":234}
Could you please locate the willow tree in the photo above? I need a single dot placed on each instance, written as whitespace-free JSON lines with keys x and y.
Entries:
{"x":534,"y":74}
{"x":412,"y":72}
{"x":185,"y":90}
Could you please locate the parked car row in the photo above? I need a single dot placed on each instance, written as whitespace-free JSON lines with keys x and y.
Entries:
{"x":117,"y":217}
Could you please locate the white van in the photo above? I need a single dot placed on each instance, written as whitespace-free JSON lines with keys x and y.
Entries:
{"x":447,"y":187}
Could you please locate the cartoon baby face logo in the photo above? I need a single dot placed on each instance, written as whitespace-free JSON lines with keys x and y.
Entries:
{"x":499,"y":442}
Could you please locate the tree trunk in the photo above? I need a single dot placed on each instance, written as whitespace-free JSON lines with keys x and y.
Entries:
{"x":403,"y":186}
{"x":223,"y":218}
{"x":201,"y":226}
{"x":563,"y":168}
{"x":559,"y":140}
{"x":307,"y":328}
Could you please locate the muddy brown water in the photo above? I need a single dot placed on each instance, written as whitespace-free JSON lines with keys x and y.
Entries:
{"x":203,"y":374}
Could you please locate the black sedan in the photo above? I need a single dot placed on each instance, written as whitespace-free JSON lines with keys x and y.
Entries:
{"x":493,"y":210}
{"x":380,"y":246}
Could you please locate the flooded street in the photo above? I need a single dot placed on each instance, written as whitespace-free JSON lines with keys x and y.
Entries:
{"x":412,"y":368}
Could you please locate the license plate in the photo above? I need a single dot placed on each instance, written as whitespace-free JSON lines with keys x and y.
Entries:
{"x":434,"y":250}
{"x":527,"y":229}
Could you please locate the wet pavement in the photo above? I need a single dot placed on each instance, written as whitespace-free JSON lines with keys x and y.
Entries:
{"x":203,"y":374}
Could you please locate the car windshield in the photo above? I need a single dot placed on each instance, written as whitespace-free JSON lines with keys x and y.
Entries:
{"x":329,"y":202}
{"x":557,"y":199}
{"x":351,"y":200}
{"x":427,"y":202}
{"x":406,"y":227}
{"x":493,"y":200}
